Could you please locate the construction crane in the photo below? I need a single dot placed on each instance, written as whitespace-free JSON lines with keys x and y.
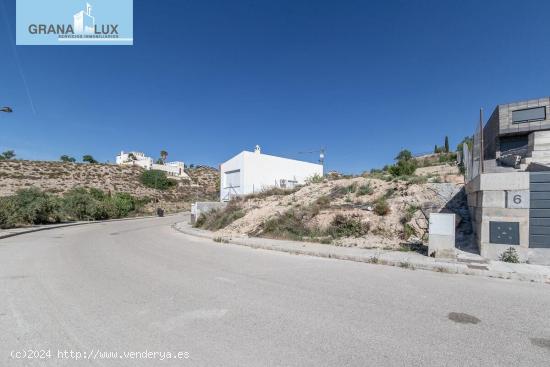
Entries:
{"x":321,"y":153}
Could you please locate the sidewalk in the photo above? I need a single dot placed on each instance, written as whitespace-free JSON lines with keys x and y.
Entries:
{"x":410,"y":260}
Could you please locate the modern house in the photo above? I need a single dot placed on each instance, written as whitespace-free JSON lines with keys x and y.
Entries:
{"x":250,"y":172}
{"x":174,"y":169}
{"x":508,"y":181}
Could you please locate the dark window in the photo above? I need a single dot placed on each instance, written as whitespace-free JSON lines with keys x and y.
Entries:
{"x":513,"y":144}
{"x":529,"y":114}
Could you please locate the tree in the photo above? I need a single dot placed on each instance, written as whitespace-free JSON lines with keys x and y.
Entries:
{"x":67,"y":159}
{"x":132,"y":157}
{"x":436,"y":149}
{"x":8,"y":154}
{"x":446,"y":144}
{"x":88,"y":158}
{"x":404,"y":155}
{"x":405,"y":165}
{"x":156,"y":179}
{"x":163,"y":155}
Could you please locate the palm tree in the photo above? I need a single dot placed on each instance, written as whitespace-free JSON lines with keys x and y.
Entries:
{"x":163,"y":155}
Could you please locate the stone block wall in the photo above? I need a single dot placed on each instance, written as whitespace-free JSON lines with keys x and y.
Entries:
{"x":490,"y":200}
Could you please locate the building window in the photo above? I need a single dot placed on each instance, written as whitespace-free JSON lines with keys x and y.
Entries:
{"x":233,"y":179}
{"x":528,"y":115}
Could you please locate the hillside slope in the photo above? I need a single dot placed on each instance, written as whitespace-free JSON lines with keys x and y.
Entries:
{"x":60,"y":177}
{"x":369,"y":211}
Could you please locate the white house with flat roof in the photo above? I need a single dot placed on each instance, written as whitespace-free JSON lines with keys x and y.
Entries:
{"x":250,"y":172}
{"x":174,"y":169}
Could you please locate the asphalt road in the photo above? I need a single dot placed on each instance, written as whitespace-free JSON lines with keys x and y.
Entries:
{"x":140,"y":286}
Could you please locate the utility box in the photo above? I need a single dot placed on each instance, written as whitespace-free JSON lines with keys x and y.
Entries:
{"x":441,"y":241}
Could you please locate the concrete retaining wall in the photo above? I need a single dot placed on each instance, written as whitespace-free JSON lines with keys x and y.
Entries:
{"x":201,"y":207}
{"x":491,"y":199}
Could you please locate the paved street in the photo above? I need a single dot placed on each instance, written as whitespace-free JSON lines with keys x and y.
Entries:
{"x":137,"y":286}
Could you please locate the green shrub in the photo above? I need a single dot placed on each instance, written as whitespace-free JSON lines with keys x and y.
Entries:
{"x":409,"y":213}
{"x":32,"y":206}
{"x":220,"y":218}
{"x":7,"y":155}
{"x":316,"y":178}
{"x":156,"y":179}
{"x":88,"y":158}
{"x":345,"y":226}
{"x":8,"y":212}
{"x":403,"y":168}
{"x":124,"y":204}
{"x":36,"y":207}
{"x":381,"y":207}
{"x":288,"y":225}
{"x":510,"y":255}
{"x":416,"y":180}
{"x":408,"y":231}
{"x":274,"y":191}
{"x":79,"y":204}
{"x":67,"y":159}
{"x":365,"y":189}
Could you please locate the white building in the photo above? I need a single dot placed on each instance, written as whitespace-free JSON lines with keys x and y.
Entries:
{"x":174,"y":169}
{"x":250,"y":172}
{"x":84,"y":22}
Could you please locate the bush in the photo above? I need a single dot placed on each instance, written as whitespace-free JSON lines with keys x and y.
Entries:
{"x":510,"y":255}
{"x":35,"y":207}
{"x":381,"y":207}
{"x":220,"y":218}
{"x":156,"y":179}
{"x":88,"y":158}
{"x":365,"y":189}
{"x":403,"y":168}
{"x":124,"y":204}
{"x":79,"y":204}
{"x":7,"y":155}
{"x":288,"y":225}
{"x":345,"y":226}
{"x":409,"y":213}
{"x":7,"y":212}
{"x":32,"y":206}
{"x":316,"y":178}
{"x":274,"y":191}
{"x":67,"y":159}
{"x":341,"y":191}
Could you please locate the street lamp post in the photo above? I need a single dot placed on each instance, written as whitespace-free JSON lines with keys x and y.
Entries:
{"x":6,"y":109}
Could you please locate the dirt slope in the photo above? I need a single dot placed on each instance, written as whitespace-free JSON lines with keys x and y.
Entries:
{"x":59,"y":177}
{"x":409,"y":206}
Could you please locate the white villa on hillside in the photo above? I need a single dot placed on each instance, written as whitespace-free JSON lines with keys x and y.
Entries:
{"x":174,"y":169}
{"x":250,"y":172}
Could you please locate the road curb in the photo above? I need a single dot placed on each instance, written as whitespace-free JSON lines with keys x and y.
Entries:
{"x":435,"y":266}
{"x":48,"y":227}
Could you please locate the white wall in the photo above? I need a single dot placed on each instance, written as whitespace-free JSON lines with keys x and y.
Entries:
{"x":262,"y":171}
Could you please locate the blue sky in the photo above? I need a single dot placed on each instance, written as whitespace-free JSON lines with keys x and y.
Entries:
{"x":207,"y":79}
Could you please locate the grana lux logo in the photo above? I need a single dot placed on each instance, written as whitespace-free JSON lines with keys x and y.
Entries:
{"x":83,"y":27}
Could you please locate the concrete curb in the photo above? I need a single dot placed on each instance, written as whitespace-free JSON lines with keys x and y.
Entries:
{"x":46,"y":227}
{"x":391,"y":258}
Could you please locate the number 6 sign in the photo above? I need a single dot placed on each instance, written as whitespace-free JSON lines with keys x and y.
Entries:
{"x":517,"y":199}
